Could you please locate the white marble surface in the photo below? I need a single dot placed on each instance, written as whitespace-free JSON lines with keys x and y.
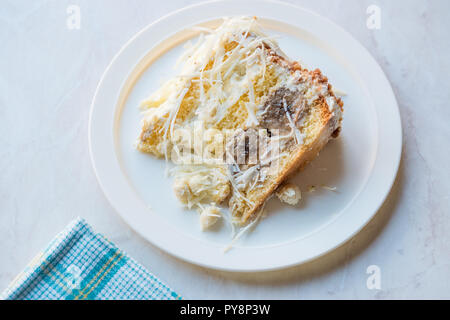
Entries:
{"x":48,"y":75}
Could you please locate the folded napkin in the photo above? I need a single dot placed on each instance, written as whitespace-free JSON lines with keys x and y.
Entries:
{"x":81,"y":264}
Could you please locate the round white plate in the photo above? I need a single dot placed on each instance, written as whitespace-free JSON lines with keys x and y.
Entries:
{"x":362,"y":163}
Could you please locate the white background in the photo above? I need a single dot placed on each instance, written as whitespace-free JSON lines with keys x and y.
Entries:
{"x":48,"y":75}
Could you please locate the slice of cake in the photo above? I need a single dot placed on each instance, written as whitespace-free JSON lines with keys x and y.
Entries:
{"x":238,"y":120}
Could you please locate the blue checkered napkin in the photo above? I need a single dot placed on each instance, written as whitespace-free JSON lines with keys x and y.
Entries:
{"x":82,"y":264}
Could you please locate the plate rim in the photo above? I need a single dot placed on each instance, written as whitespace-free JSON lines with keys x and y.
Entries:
{"x":163,"y":245}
